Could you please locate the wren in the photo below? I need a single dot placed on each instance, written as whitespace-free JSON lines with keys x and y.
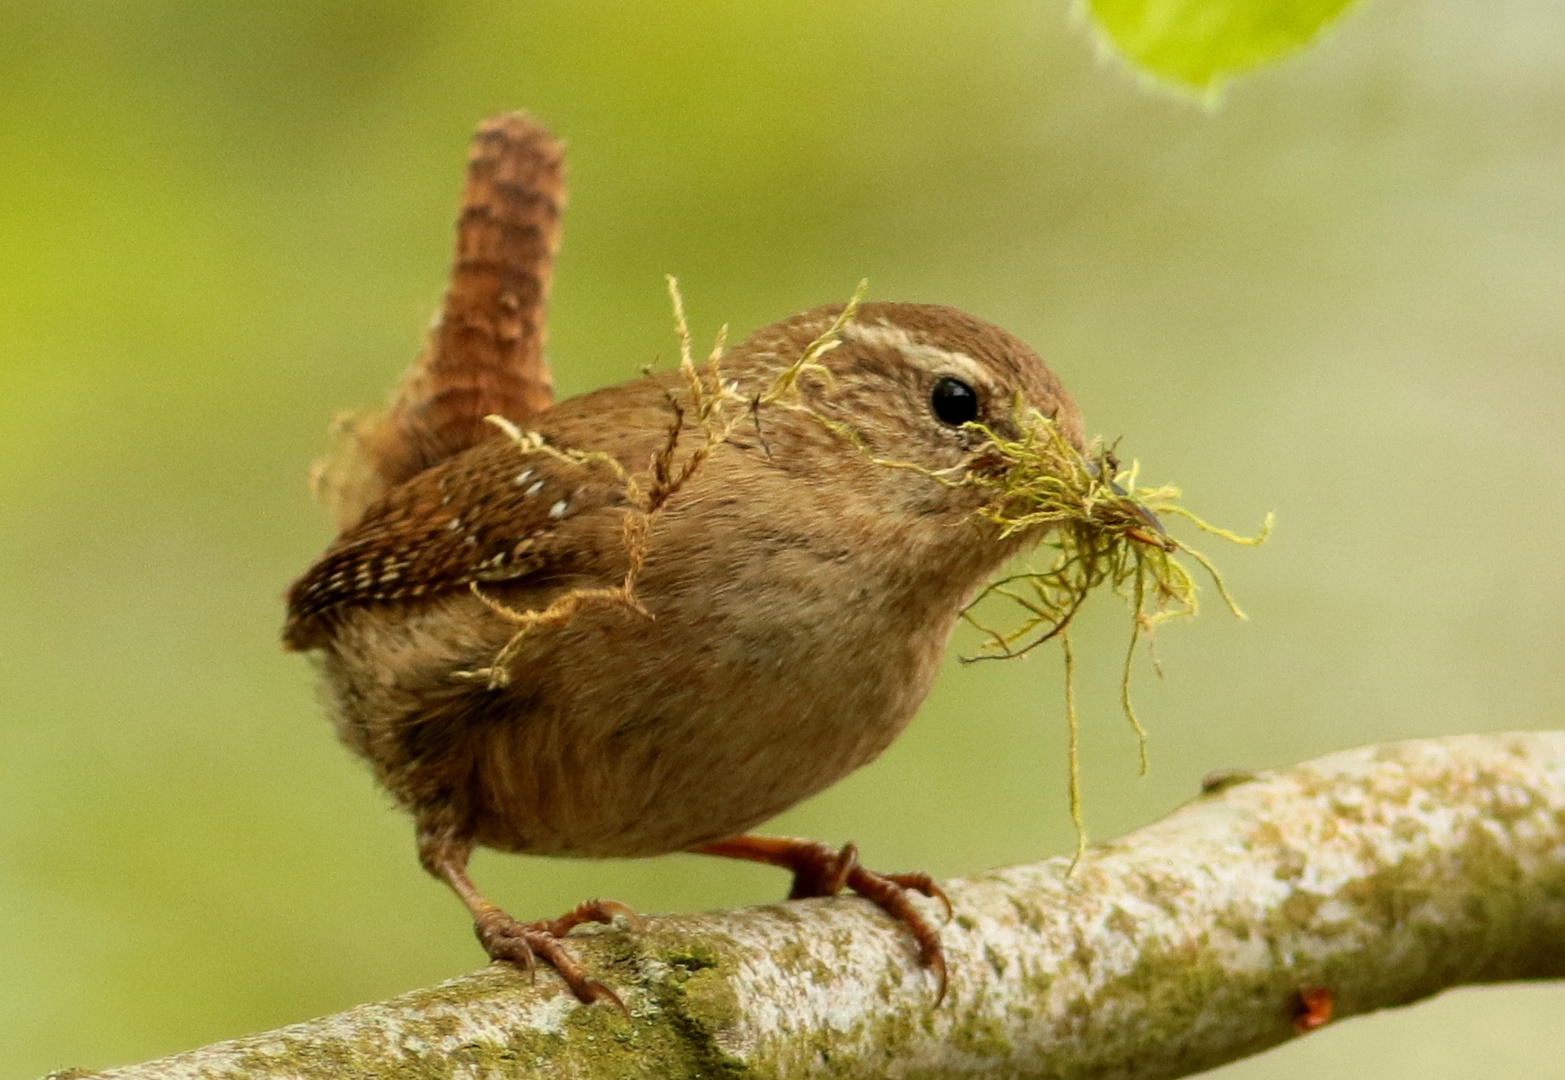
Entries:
{"x":764,"y":603}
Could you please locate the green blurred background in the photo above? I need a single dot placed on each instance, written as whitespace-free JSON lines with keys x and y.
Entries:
{"x":1338,"y":296}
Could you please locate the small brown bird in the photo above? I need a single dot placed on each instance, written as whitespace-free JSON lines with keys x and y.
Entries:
{"x":670,"y":609}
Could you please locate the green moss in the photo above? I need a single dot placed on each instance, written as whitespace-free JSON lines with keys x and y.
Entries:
{"x":692,"y":1005}
{"x":1121,"y":922}
{"x":1291,"y":864}
{"x":1300,"y":908}
{"x":1029,"y":914}
{"x":982,"y":1036}
{"x":1102,"y":530}
{"x":691,"y":956}
{"x":998,"y":963}
{"x":709,"y":1002}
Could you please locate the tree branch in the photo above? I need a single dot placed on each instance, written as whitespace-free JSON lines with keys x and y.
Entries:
{"x":1380,"y":876}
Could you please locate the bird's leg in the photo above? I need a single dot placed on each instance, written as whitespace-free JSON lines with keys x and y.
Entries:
{"x":820,"y":871}
{"x":445,"y":855}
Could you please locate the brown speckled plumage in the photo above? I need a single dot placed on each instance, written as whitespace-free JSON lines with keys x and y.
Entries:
{"x":800,"y":593}
{"x":794,"y":601}
{"x":484,"y":351}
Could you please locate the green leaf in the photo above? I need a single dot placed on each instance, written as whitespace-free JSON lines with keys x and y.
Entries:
{"x":1198,"y":45}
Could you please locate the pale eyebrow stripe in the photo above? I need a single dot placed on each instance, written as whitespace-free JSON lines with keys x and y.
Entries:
{"x":930,"y":357}
{"x":890,"y":337}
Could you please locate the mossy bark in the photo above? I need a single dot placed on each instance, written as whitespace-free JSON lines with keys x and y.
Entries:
{"x":1381,"y":875}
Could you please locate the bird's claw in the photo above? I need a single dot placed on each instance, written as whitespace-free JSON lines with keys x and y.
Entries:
{"x":819,"y":870}
{"x":523,"y":944}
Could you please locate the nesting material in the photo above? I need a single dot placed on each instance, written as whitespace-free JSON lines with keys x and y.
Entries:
{"x":716,"y":408}
{"x":1104,"y":530}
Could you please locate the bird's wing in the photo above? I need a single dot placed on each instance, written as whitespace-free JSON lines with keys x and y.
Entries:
{"x":492,"y":513}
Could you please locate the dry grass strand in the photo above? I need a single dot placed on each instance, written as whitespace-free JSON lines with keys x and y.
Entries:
{"x":716,"y":407}
{"x":1104,"y":529}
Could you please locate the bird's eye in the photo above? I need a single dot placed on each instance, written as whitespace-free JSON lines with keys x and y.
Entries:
{"x":953,"y":402}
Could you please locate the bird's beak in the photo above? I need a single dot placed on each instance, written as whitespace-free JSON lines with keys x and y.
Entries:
{"x":1158,"y":537}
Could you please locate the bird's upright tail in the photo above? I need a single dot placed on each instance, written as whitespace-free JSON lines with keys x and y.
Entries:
{"x":484,"y":351}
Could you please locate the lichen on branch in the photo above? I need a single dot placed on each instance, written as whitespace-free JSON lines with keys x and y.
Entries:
{"x":1370,"y":878}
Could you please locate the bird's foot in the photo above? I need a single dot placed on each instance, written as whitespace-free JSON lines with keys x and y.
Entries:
{"x":523,"y":944}
{"x":818,"y":870}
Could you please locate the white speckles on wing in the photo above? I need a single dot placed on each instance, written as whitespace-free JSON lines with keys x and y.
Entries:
{"x":499,"y":521}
